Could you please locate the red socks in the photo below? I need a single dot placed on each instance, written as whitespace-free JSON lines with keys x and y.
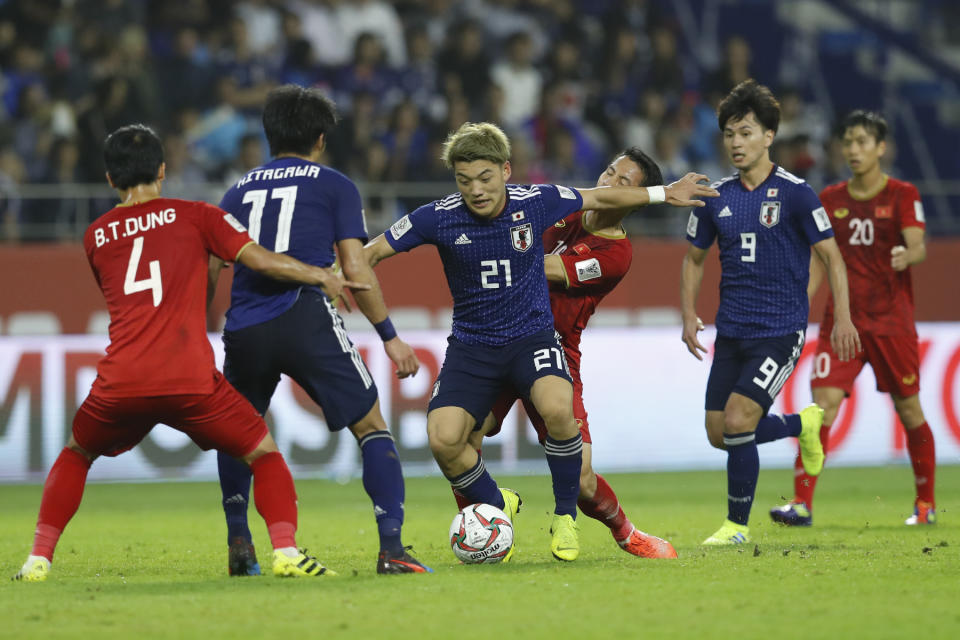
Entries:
{"x":923,"y":457}
{"x":803,"y":485}
{"x":62,"y":493}
{"x":605,"y":507}
{"x":275,"y":498}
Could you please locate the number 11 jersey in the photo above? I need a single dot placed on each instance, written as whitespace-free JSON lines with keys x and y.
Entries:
{"x":292,"y":206}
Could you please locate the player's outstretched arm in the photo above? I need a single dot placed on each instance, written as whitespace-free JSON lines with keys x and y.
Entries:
{"x":914,"y":252}
{"x":691,"y":275}
{"x":356,"y":266}
{"x":284,"y":268}
{"x":682,"y":193}
{"x":844,"y":338}
{"x":376,"y":250}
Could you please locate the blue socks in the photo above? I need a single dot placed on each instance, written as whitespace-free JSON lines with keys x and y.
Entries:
{"x":235,"y":486}
{"x":774,"y":427}
{"x":743,"y":469}
{"x":564,"y":458}
{"x":476,"y":485}
{"x":383,"y":482}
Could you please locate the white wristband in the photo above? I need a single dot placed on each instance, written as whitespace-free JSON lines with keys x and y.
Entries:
{"x":656,"y":194}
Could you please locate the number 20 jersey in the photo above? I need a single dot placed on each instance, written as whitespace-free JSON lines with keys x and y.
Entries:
{"x":150,"y":261}
{"x":291,"y":206}
{"x":881,"y":299}
{"x":494,"y":267}
{"x":764,"y":236}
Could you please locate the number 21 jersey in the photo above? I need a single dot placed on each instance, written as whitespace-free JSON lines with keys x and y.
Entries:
{"x":494,"y":267}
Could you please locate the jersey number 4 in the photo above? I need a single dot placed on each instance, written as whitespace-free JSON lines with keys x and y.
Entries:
{"x":288,"y":200}
{"x":153,"y":283}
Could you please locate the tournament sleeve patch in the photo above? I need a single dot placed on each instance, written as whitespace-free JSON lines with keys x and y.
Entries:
{"x":821,"y":218}
{"x":692,"y":223}
{"x":233,"y":222}
{"x":566,"y":193}
{"x":588,"y":269}
{"x":400,"y":227}
{"x":918,"y":211}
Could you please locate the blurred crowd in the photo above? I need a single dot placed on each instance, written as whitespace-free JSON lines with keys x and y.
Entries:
{"x":571,"y":81}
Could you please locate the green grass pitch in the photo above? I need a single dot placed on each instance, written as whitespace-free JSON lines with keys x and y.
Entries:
{"x":149,"y":560}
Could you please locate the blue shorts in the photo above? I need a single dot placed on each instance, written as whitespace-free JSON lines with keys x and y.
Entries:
{"x":756,"y":368}
{"x":472,"y":376}
{"x":308,"y":343}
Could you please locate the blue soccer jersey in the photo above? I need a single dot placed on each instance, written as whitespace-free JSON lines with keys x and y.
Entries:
{"x":494,"y":268}
{"x":764,"y":236}
{"x":291,"y":206}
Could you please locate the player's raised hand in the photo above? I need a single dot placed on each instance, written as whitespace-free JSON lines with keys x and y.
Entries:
{"x":686,"y":191}
{"x":403,"y":356}
{"x":691,"y":327}
{"x":845,"y":340}
{"x":898,"y":258}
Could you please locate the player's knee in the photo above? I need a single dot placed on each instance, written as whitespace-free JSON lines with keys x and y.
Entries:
{"x":445,"y":443}
{"x":558,"y":418}
{"x":267,"y":445}
{"x":737,"y":422}
{"x":910,"y":413}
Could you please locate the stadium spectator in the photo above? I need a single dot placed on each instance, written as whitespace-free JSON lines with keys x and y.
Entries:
{"x":321,"y":28}
{"x":264,"y":24}
{"x":519,"y":80}
{"x":464,"y":64}
{"x":368,"y":72}
{"x":377,"y":17}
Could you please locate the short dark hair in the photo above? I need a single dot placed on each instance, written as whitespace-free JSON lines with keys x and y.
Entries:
{"x":294,"y":117}
{"x":652,"y":175}
{"x":749,"y":96}
{"x":132,"y":155}
{"x":872,"y":122}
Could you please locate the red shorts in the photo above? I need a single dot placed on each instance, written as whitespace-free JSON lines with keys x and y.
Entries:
{"x":221,"y":420}
{"x":895,"y":361}
{"x":508,"y":396}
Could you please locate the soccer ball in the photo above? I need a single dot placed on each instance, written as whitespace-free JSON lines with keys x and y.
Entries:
{"x":481,"y":534}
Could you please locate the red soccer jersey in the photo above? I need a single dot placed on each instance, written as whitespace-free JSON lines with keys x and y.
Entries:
{"x":594,"y":265}
{"x":150,"y":261}
{"x":881,"y":299}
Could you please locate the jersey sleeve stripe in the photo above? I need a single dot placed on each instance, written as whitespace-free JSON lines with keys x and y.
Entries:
{"x":237,"y":257}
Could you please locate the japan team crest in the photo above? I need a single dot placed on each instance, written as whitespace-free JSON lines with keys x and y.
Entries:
{"x":522,"y":236}
{"x":769,"y":213}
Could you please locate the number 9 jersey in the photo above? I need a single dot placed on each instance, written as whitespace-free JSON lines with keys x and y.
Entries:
{"x":150,"y":261}
{"x":764,"y":236}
